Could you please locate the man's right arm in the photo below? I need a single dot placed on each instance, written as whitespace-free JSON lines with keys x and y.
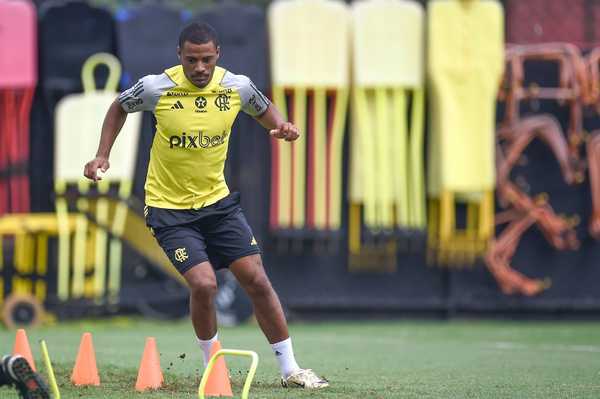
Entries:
{"x":142,"y":96}
{"x":113,"y":122}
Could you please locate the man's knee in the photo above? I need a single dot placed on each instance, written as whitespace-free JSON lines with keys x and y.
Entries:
{"x":203,"y":286}
{"x":203,"y":290}
{"x":251,"y":275}
{"x":258,"y":285}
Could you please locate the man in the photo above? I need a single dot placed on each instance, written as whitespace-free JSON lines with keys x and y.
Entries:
{"x":193,"y":216}
{"x":15,"y":370}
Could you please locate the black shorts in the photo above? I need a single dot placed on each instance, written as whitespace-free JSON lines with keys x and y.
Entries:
{"x":218,"y":233}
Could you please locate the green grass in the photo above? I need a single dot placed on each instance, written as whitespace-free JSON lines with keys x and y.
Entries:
{"x":361,"y":359}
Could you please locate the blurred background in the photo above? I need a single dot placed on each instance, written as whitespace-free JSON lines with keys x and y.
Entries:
{"x":449,"y":165}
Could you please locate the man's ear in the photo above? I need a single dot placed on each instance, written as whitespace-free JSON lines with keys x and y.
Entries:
{"x":179,"y":53}
{"x":218,"y":52}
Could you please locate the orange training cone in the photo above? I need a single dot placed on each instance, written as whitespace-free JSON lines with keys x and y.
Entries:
{"x":218,"y":383}
{"x":85,"y":371}
{"x":150,"y":375}
{"x":22,"y":347}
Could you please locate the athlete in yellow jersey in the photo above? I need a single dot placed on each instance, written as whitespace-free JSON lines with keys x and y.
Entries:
{"x":189,"y":208}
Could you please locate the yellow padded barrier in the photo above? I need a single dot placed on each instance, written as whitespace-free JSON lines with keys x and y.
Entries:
{"x":309,"y":43}
{"x":386,"y":169}
{"x":31,"y":232}
{"x":281,"y":180}
{"x":310,"y":69}
{"x":78,"y":113}
{"x":466,"y":60}
{"x":318,"y":148}
{"x":334,"y":159}
{"x":118,"y":226}
{"x":362,"y":187}
{"x":101,"y":241}
{"x":465,"y":65}
{"x":298,"y":151}
{"x":87,"y":72}
{"x":85,"y":113}
{"x":80,"y":241}
{"x":390,"y":33}
{"x":64,"y":242}
{"x":417,"y":218}
{"x":122,"y":170}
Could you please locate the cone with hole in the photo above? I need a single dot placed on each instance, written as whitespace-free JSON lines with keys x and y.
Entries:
{"x":85,"y":371}
{"x":22,"y":347}
{"x":218,"y":383}
{"x":150,"y":375}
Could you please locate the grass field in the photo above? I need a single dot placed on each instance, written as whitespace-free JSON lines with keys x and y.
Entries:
{"x":361,"y":359}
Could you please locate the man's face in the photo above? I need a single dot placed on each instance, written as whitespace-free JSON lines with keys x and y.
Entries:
{"x":198,"y":61}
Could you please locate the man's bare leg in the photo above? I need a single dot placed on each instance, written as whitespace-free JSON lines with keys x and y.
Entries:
{"x":251,"y":275}
{"x":203,"y":288}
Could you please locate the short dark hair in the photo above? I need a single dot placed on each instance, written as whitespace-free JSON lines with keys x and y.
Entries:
{"x":198,"y":33}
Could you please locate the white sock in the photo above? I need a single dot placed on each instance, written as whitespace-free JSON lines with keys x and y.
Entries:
{"x":284,"y":353}
{"x":206,"y":345}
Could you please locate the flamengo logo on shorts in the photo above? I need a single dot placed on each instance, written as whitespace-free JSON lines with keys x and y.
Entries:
{"x":181,"y":255}
{"x":197,"y":141}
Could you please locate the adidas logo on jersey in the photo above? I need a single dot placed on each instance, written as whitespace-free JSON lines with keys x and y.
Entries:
{"x":177,"y":105}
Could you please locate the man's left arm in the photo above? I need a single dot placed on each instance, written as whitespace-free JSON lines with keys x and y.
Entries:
{"x":257,"y":105}
{"x":273,"y":121}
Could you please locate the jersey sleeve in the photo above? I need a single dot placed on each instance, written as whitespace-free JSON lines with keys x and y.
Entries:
{"x":254,"y":103}
{"x":144,"y":95}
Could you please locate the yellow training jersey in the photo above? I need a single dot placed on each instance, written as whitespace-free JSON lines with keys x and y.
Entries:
{"x":193,"y":126}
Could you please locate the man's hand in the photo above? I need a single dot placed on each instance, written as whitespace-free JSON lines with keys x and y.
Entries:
{"x":286,"y":131}
{"x":91,"y":168}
